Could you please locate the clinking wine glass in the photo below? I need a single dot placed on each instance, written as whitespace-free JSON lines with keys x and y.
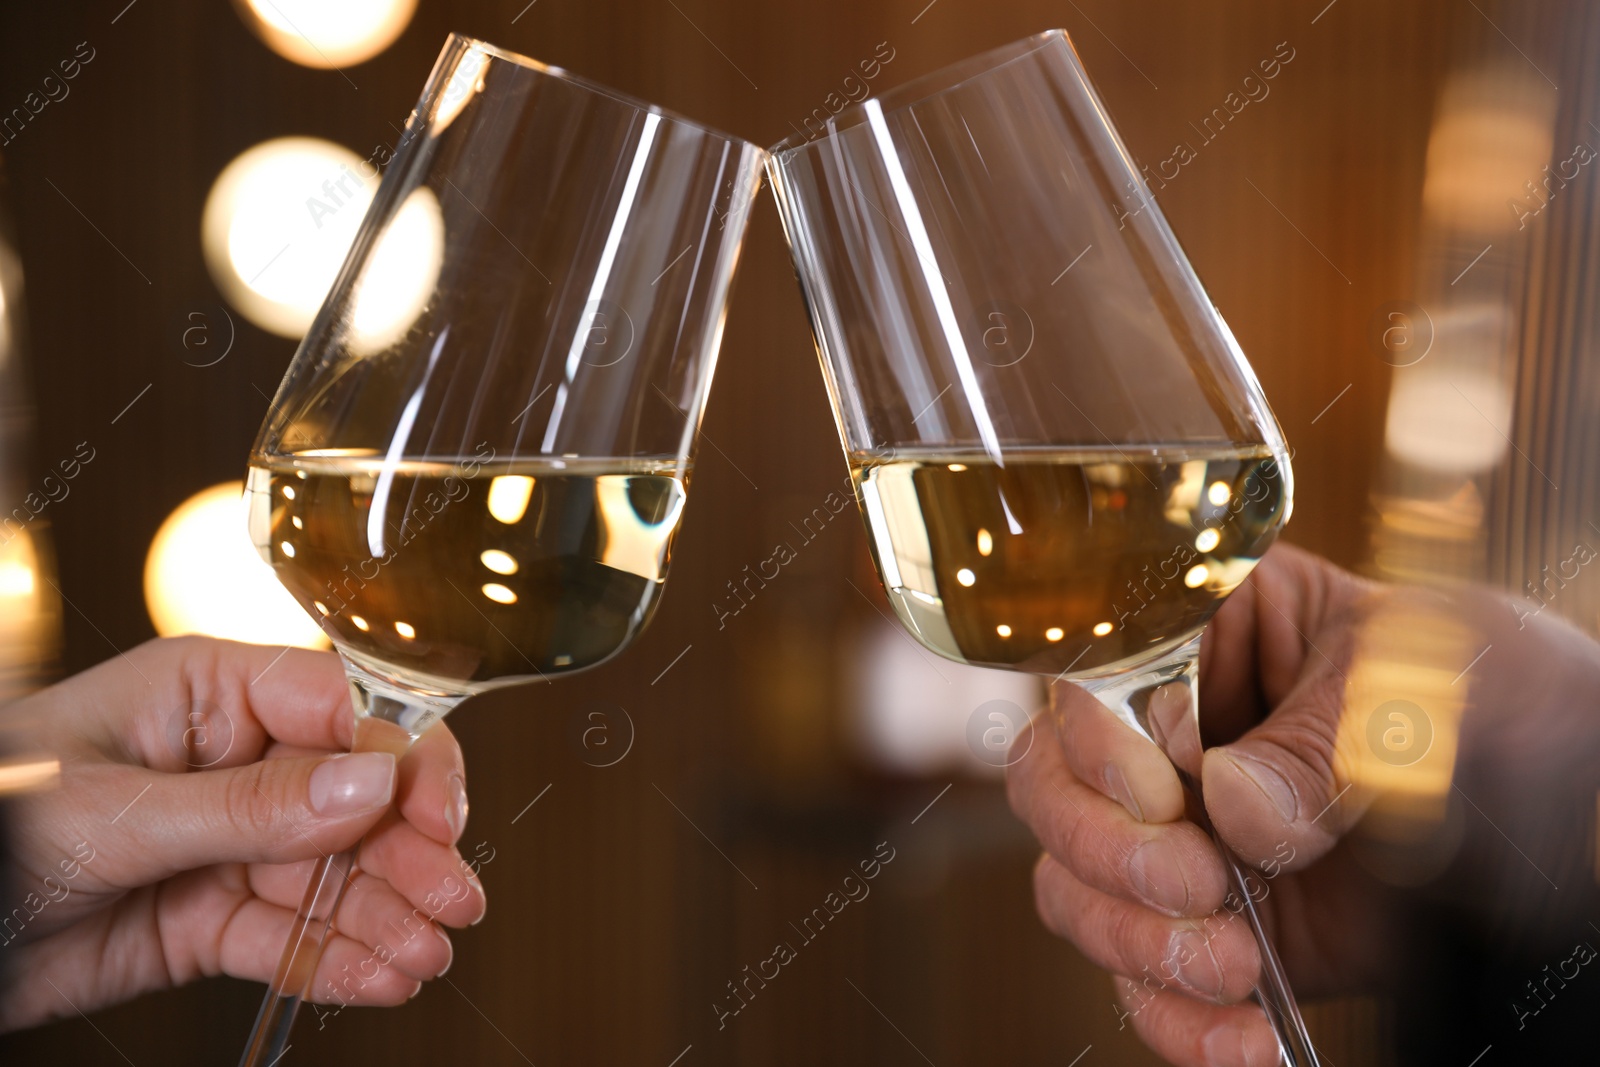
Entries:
{"x":473,"y":470}
{"x":1064,"y":461}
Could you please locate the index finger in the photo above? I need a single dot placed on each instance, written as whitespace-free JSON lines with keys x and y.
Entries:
{"x":1260,"y":642}
{"x":194,"y":703}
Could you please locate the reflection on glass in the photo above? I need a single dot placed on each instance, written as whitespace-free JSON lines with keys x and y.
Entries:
{"x":399,"y":276}
{"x":465,"y":80}
{"x":508,"y":497}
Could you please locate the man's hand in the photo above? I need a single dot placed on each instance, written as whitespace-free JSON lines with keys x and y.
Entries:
{"x":1143,"y":892}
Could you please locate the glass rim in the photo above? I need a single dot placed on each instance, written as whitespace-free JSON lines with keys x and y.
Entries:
{"x":598,"y":88}
{"x":925,"y":87}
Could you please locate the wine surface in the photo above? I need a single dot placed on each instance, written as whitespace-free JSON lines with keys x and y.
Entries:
{"x":449,"y":580}
{"x":1083,"y":561}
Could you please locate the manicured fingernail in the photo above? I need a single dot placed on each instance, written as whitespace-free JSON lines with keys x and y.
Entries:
{"x":450,"y":950}
{"x":1224,"y":1047}
{"x":1156,"y":876}
{"x":1272,"y":785}
{"x":345,"y":785}
{"x":1117,"y":786}
{"x":1195,"y":963}
{"x":455,"y":805}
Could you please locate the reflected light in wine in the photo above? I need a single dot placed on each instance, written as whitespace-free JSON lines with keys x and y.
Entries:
{"x":449,"y":582}
{"x":1080,"y":560}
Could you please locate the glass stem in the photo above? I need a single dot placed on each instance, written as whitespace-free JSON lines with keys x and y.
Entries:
{"x":388,"y":719}
{"x":1161,"y":702}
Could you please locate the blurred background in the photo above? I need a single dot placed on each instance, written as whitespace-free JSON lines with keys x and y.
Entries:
{"x":1410,"y":181}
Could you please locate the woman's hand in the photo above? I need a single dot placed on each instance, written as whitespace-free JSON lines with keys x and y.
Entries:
{"x":200,"y":782}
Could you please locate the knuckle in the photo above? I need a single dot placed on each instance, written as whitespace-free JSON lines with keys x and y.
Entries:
{"x":183,"y":649}
{"x":1081,"y":843}
{"x":1082,"y":746}
{"x":247,"y":805}
{"x":1047,"y":897}
{"x":1129,"y":949}
{"x":1308,"y":745}
{"x":1018,"y":789}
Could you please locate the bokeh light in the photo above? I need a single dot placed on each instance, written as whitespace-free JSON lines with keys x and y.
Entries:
{"x":324,"y":34}
{"x":30,"y":610}
{"x":1493,"y":132}
{"x":400,"y":275}
{"x":910,"y":713}
{"x":1448,"y":420}
{"x":278,"y":223}
{"x":203,"y":576}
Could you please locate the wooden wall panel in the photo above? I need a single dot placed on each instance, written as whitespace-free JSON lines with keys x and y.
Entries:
{"x":614,"y":923}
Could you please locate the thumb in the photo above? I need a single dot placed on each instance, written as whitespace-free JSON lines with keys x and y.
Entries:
{"x":1275,"y":794}
{"x":272,"y":811}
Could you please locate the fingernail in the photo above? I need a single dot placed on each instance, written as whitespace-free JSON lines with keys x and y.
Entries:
{"x":1272,"y":785}
{"x":1195,"y":964}
{"x":1224,"y":1047}
{"x":449,"y":948}
{"x":1156,"y":876}
{"x":455,"y":805}
{"x":1117,"y":786}
{"x":345,"y":785}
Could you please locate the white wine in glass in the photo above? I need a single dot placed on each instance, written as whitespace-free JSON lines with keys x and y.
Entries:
{"x":1083,"y":560}
{"x":533,"y":566}
{"x":473,"y":471}
{"x":1064,"y":460}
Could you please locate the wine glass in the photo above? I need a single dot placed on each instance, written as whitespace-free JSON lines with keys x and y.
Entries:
{"x":473,"y":470}
{"x":1064,"y":461}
